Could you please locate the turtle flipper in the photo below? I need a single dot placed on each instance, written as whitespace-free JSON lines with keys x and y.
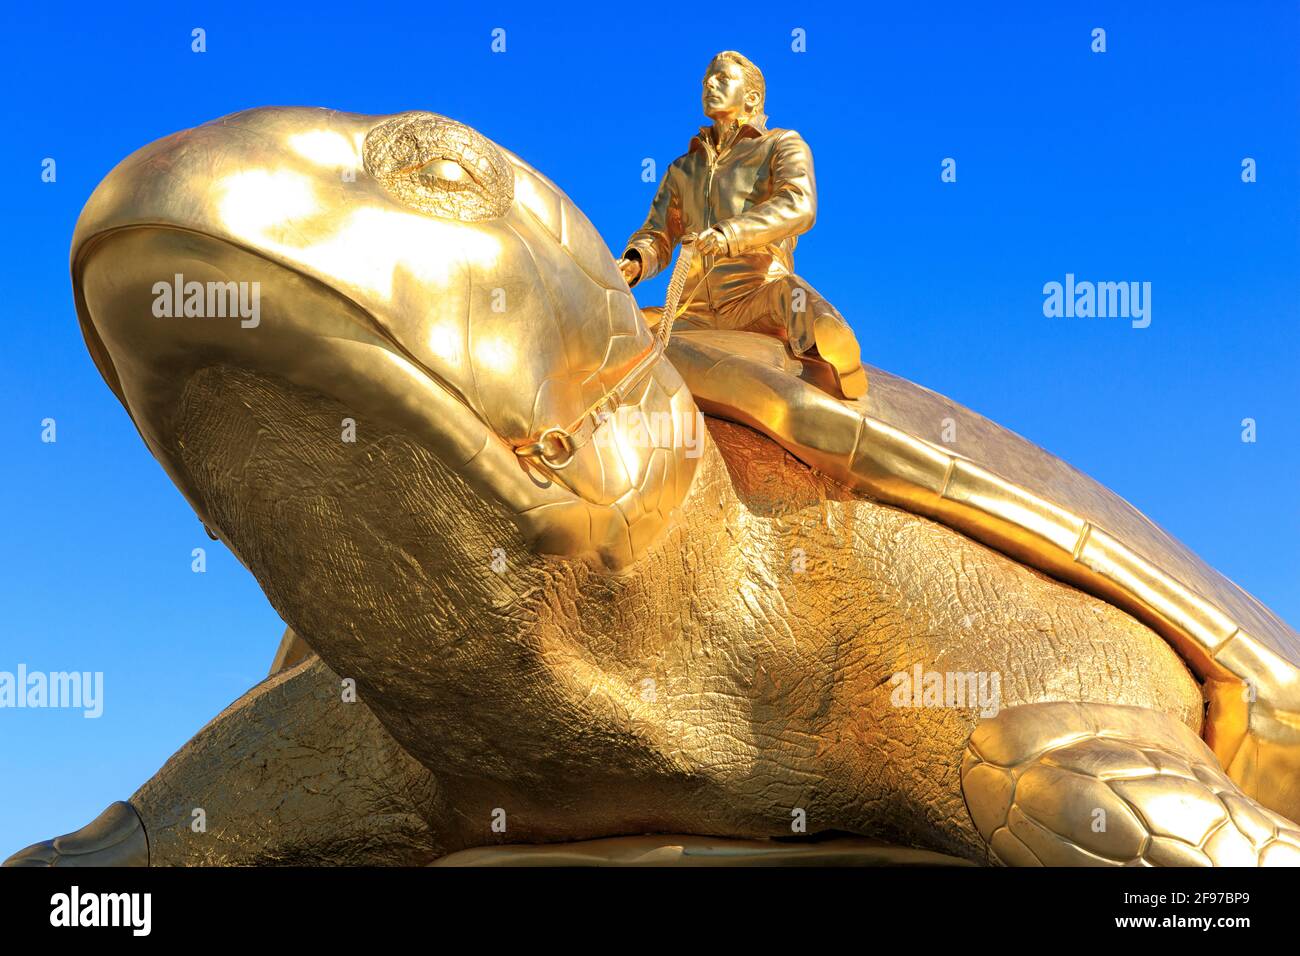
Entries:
{"x":1083,"y":784}
{"x":288,"y":774}
{"x":114,"y":838}
{"x":291,"y":774}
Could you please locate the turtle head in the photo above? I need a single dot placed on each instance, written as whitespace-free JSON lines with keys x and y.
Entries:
{"x":415,"y":278}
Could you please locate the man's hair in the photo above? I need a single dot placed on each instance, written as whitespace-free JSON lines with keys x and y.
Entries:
{"x":752,"y":74}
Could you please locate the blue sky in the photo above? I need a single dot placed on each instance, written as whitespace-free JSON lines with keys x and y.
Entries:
{"x":1117,"y":166}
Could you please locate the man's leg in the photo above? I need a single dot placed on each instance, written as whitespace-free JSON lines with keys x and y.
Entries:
{"x":791,"y":308}
{"x":835,"y":342}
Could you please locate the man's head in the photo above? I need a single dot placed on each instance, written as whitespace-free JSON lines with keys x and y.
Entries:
{"x":733,"y":88}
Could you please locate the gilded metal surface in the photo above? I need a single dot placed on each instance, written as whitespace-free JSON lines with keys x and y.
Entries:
{"x":293,"y":650}
{"x":679,"y":632}
{"x":292,"y":774}
{"x":443,"y":168}
{"x":1070,"y":785}
{"x":114,"y":838}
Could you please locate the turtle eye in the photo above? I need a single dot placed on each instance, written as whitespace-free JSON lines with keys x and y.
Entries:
{"x":440,"y":167}
{"x":444,"y":172}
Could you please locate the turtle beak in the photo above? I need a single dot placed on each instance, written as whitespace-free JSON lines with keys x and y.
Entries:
{"x":258,"y":243}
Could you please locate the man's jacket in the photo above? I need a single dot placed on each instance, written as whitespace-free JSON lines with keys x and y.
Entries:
{"x":760,"y":194}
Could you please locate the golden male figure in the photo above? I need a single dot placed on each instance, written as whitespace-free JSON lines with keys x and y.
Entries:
{"x":747,"y":192}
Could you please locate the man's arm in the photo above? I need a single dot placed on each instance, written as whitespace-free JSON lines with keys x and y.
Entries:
{"x":652,"y":245}
{"x":791,"y":209}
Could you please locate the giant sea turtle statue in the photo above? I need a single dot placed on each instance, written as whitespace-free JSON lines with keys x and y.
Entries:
{"x":441,"y":435}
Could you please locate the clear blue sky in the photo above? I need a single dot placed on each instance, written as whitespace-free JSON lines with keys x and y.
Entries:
{"x":1117,"y":166}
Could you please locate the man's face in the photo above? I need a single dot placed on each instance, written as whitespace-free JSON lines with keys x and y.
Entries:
{"x":724,"y":90}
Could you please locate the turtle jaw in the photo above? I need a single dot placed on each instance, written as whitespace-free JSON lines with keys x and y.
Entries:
{"x":305,"y":334}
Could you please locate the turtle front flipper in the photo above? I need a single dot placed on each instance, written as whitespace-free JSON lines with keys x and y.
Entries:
{"x":295,"y":772}
{"x":114,"y":838}
{"x":1071,"y":784}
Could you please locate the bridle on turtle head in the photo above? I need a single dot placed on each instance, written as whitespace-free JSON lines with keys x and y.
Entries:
{"x":555,"y":447}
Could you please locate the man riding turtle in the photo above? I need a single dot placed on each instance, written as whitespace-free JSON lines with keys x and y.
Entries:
{"x":746,"y":193}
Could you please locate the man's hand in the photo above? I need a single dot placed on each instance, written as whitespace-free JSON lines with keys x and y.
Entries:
{"x":711,"y":242}
{"x":631,"y":269}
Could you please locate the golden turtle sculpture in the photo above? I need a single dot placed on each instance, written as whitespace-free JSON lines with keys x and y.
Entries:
{"x":551,"y":613}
